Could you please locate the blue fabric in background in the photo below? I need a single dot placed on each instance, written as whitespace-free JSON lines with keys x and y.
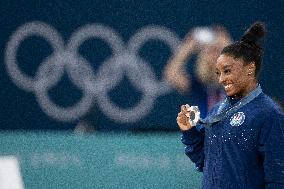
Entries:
{"x":20,"y":109}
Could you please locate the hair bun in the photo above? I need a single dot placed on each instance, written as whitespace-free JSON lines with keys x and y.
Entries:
{"x":254,"y":33}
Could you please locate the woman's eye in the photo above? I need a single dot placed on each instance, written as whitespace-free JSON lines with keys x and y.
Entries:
{"x":217,"y":73}
{"x":227,"y":71}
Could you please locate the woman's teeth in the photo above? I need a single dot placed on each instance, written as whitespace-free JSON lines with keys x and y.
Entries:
{"x":227,"y":86}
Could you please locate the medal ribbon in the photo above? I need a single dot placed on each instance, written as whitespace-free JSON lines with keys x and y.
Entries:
{"x":225,"y":110}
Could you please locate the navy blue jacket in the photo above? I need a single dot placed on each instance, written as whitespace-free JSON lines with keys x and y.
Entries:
{"x":243,"y":151}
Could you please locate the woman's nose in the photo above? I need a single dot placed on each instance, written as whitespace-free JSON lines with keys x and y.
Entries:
{"x":221,"y":79}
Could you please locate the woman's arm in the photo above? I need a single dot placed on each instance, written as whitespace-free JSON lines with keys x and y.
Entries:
{"x":175,"y":71}
{"x":191,"y":137}
{"x":271,"y":148}
{"x":194,"y":141}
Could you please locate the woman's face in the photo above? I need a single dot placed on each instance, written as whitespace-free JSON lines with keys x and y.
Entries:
{"x":237,"y":78}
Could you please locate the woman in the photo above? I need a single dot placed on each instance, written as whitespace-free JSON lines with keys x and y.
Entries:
{"x":206,"y":43}
{"x":240,"y":144}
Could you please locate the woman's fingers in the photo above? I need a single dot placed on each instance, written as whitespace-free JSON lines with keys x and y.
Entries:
{"x":182,"y":120}
{"x":185,"y":109}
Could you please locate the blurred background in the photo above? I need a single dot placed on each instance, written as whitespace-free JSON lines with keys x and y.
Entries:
{"x":90,"y":90}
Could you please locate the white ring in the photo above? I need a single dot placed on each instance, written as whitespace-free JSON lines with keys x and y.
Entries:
{"x":43,"y":30}
{"x":132,"y":114}
{"x":43,"y":85}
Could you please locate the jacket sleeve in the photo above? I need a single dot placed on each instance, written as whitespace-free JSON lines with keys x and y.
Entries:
{"x":194,"y":141}
{"x":271,"y":148}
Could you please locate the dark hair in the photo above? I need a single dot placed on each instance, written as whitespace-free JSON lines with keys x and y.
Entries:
{"x":248,"y":48}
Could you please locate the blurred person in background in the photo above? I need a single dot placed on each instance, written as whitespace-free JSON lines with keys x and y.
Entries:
{"x":207,"y":43}
{"x":240,"y":144}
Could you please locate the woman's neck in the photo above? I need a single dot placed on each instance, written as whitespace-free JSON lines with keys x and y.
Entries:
{"x":252,"y":86}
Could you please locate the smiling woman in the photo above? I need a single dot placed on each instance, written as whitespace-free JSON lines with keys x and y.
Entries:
{"x":235,"y":76}
{"x":240,"y":62}
{"x":240,"y":143}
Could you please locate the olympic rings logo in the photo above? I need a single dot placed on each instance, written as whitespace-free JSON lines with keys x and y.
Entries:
{"x":65,"y":58}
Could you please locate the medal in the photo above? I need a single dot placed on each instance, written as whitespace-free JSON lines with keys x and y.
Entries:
{"x":194,"y":115}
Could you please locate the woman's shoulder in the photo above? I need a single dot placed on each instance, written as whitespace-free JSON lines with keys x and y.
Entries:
{"x":264,"y":111}
{"x":267,"y":103}
{"x":264,"y":106}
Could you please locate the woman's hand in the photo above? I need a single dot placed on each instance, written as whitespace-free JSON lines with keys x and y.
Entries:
{"x":183,"y":118}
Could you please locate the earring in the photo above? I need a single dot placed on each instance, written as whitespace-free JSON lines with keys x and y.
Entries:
{"x":250,"y":72}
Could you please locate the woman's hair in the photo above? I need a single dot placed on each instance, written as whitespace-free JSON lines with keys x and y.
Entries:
{"x":248,"y":47}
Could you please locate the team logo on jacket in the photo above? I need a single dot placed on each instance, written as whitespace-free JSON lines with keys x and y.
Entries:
{"x":237,"y":119}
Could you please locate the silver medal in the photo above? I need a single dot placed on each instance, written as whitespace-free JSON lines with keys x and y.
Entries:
{"x":194,"y":115}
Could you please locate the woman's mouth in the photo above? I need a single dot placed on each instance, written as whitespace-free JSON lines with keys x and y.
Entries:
{"x":227,"y":87}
